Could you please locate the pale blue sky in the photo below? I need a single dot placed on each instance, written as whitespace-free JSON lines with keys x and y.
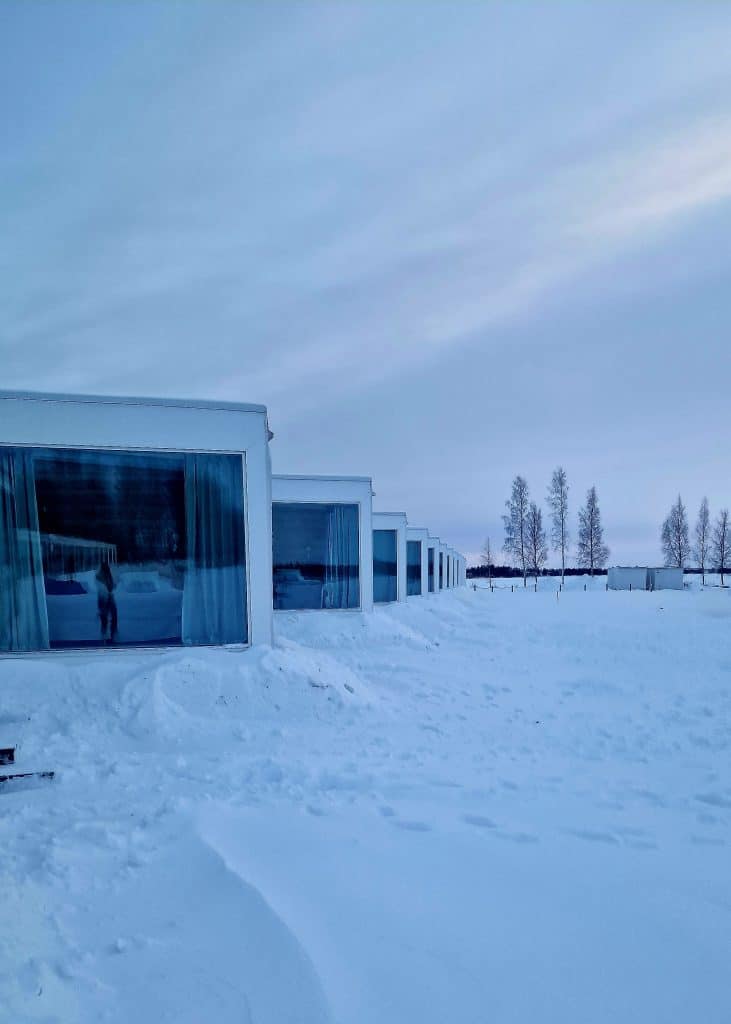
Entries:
{"x":444,"y":243}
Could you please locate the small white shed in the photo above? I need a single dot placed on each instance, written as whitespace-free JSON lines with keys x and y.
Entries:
{"x":628,"y":577}
{"x":389,"y":557}
{"x":666,"y":578}
{"x":133,"y":522}
{"x":322,"y":543}
{"x":417,"y":561}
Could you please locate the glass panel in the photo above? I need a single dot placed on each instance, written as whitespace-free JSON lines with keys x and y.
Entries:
{"x":441,"y":570}
{"x":430,"y":560}
{"x":120,"y":548}
{"x":316,"y":555}
{"x":413,"y":567}
{"x":385,"y":579}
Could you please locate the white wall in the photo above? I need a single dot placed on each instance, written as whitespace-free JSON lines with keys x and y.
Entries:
{"x":666,"y":578}
{"x":149,"y":424}
{"x":350,"y":490}
{"x":395,"y":521}
{"x":622,"y":577}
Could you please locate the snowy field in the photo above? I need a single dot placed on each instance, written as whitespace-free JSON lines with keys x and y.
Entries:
{"x":475,"y":808}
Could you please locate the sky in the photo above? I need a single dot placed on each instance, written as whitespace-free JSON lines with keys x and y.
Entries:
{"x":444,"y":243}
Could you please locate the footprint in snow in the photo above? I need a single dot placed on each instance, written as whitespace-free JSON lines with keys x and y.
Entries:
{"x":517,"y":837}
{"x":478,"y":820}
{"x":592,"y":836}
{"x":412,"y":826}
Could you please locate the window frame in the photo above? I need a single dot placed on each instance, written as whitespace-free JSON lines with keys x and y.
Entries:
{"x":148,"y":648}
{"x":320,"y":501}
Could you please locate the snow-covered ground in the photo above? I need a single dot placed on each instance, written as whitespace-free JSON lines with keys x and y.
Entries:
{"x":475,"y":808}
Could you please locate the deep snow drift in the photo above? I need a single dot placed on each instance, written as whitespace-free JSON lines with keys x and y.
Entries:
{"x":475,"y":808}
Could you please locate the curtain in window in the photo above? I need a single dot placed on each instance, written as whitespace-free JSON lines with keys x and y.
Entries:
{"x":23,"y":617}
{"x":341,"y":589}
{"x":214,"y":593}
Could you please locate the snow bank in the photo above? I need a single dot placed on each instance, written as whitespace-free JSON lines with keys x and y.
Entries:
{"x":482,"y":806}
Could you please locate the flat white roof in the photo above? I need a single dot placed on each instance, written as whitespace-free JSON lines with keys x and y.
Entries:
{"x":305,"y":476}
{"x":179,"y":403}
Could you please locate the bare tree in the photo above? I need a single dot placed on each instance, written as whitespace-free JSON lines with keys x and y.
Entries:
{"x":592,"y":553}
{"x":558,"y":503}
{"x":537,"y":546}
{"x":720,"y":542}
{"x":516,"y":522}
{"x":674,"y":535}
{"x":488,"y":558}
{"x":702,"y":548}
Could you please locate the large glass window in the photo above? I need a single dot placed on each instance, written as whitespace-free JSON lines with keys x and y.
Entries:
{"x":385,"y":579}
{"x":120,"y":548}
{"x":430,"y":568}
{"x":413,"y":567}
{"x":316,"y":555}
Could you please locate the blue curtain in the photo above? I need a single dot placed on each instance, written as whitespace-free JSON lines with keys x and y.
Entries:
{"x":23,"y":616}
{"x":342,"y":578}
{"x":214,"y":593}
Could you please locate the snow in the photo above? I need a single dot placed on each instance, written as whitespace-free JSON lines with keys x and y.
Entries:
{"x":504,"y":807}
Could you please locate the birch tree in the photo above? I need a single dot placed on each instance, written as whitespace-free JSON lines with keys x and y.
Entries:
{"x":674,"y":535}
{"x":592,"y":552}
{"x":537,"y":546}
{"x":516,"y":523}
{"x":558,"y":503}
{"x":487,"y":557}
{"x":702,"y":548}
{"x":720,"y":542}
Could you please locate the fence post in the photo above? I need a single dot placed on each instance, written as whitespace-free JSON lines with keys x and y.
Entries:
{"x":585,"y":588}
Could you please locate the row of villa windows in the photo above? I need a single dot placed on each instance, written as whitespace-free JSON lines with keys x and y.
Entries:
{"x":142,"y":523}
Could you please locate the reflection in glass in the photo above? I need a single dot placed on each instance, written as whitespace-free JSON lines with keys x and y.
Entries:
{"x":120,"y":548}
{"x":413,"y":567}
{"x":385,"y":579}
{"x":430,"y":560}
{"x":315,"y":555}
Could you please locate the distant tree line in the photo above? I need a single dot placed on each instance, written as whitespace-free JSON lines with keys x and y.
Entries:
{"x":526,"y":541}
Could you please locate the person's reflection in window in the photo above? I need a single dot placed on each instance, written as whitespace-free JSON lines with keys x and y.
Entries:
{"x":106,"y":604}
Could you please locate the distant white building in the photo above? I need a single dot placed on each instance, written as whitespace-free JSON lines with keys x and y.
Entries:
{"x":666,"y":578}
{"x":642,"y":577}
{"x":628,"y":577}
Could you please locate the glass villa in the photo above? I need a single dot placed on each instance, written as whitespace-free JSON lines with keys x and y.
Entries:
{"x":322,"y":543}
{"x":389,"y":557}
{"x":132,"y":523}
{"x":417,"y":561}
{"x":151,"y":523}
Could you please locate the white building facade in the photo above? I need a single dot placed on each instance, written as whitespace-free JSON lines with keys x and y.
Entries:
{"x":417,"y":561}
{"x":389,"y":557}
{"x":322,"y":554}
{"x":133,"y":522}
